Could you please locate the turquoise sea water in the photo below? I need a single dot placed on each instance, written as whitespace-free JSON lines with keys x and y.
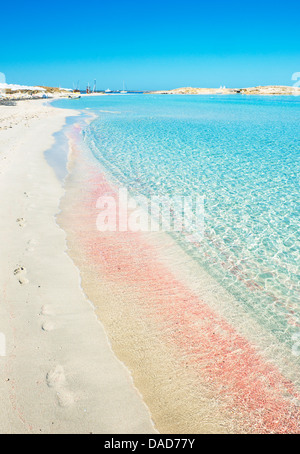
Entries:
{"x":242,"y":154}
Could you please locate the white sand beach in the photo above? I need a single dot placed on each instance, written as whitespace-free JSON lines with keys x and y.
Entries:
{"x":59,"y":374}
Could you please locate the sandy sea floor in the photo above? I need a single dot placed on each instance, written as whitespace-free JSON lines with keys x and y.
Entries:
{"x":201,"y":364}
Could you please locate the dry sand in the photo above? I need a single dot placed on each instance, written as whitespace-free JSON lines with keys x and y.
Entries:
{"x":59,"y":374}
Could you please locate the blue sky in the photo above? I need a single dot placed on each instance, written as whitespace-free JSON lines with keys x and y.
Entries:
{"x":150,"y":45}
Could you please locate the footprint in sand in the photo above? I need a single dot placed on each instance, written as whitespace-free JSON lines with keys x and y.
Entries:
{"x":21,"y":222}
{"x":47,"y":326}
{"x":65,"y":398}
{"x":31,"y":245}
{"x":46,"y":310}
{"x":20,"y":273}
{"x":56,"y":379}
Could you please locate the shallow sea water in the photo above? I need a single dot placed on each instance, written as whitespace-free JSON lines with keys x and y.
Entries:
{"x":240,"y":153}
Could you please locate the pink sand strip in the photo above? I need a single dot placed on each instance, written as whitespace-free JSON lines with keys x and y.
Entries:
{"x":227,"y":361}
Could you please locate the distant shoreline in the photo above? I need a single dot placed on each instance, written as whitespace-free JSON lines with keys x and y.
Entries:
{"x":54,"y":93}
{"x":265,"y":91}
{"x":270,"y":90}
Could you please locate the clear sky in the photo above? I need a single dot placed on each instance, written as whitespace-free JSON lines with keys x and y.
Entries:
{"x":150,"y":44}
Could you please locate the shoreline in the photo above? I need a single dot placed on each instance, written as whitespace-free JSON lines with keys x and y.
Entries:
{"x":150,"y":366}
{"x":124,"y":275}
{"x":48,"y":382}
{"x":267,"y":90}
{"x":261,"y":90}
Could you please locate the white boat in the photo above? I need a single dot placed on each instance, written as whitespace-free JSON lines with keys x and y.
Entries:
{"x":123,"y":92}
{"x":108,"y":91}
